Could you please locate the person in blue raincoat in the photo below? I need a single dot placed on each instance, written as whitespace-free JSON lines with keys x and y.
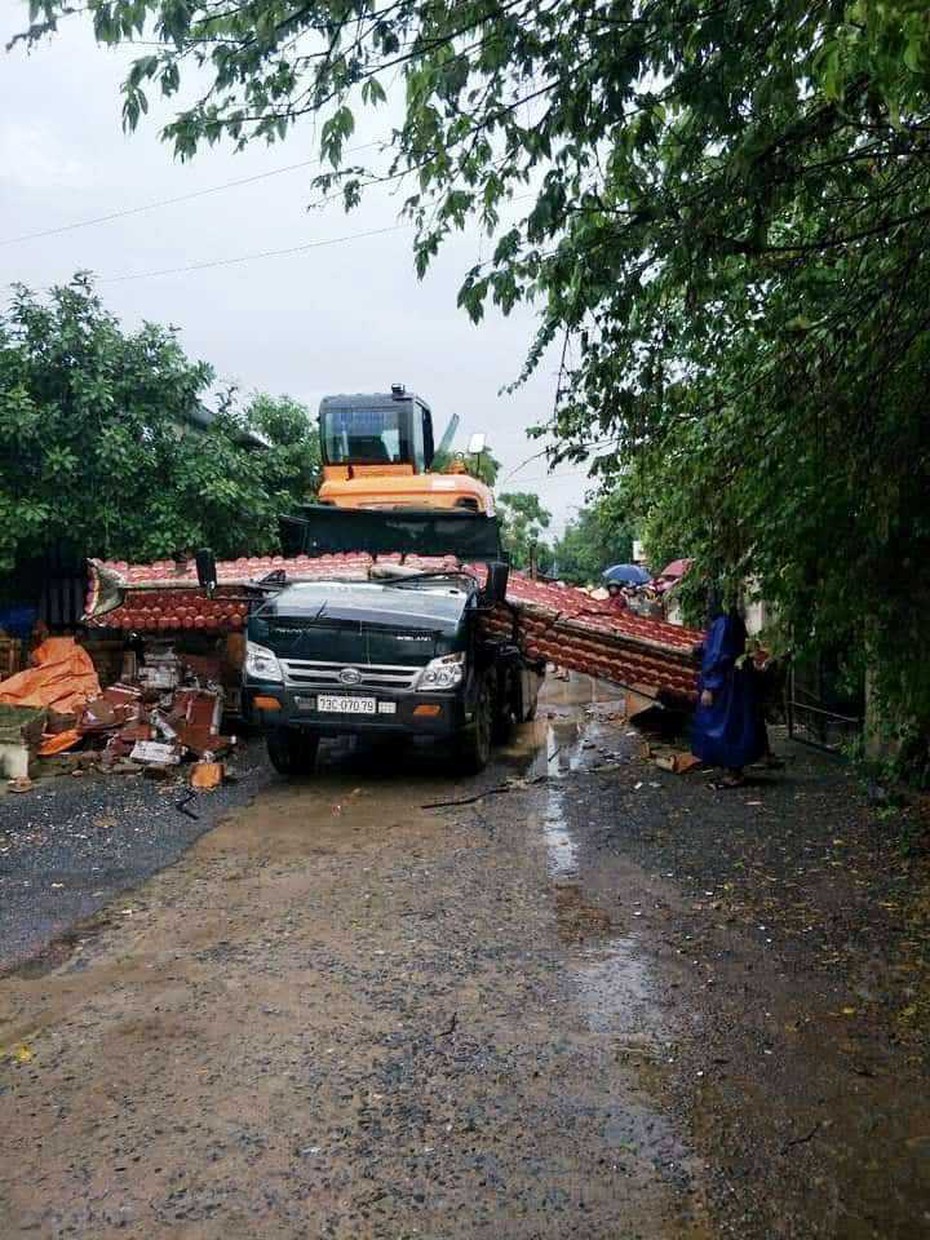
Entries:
{"x":729,"y":728}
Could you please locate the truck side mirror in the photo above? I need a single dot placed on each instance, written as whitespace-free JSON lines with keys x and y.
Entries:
{"x":206,"y":569}
{"x":495,"y":590}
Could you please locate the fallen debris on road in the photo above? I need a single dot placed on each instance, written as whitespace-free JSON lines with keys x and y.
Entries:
{"x":163,"y":713}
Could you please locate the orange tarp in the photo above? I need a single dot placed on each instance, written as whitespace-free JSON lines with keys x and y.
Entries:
{"x":62,"y":678}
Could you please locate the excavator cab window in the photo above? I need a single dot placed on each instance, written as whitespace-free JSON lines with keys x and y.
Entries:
{"x":396,"y":432}
{"x":366,"y":436}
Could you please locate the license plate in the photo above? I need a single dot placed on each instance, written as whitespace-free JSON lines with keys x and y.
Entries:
{"x":331,"y":704}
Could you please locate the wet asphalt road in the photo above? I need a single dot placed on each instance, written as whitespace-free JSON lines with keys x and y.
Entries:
{"x":597,"y":1000}
{"x":72,"y":845}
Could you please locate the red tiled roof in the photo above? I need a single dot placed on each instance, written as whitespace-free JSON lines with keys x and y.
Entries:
{"x":597,"y":615}
{"x":248,"y":570}
{"x":562,"y":624}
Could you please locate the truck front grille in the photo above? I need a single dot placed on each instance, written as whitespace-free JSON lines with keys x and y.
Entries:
{"x":302,"y":672}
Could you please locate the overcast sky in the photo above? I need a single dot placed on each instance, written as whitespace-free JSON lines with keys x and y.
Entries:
{"x":338,"y":317}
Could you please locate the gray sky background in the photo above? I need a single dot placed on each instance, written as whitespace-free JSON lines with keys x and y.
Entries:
{"x":340,"y":317}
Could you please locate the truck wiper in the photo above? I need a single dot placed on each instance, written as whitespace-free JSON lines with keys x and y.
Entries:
{"x":419,"y":578}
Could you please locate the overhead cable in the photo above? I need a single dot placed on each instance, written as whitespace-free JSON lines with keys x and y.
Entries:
{"x":170,"y":202}
{"x":248,"y":258}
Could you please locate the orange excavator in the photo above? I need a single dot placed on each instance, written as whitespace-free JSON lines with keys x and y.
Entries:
{"x":378,"y":452}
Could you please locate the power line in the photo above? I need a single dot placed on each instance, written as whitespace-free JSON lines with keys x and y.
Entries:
{"x":259,"y":254}
{"x":170,"y":202}
{"x":248,"y":258}
{"x":594,"y":446}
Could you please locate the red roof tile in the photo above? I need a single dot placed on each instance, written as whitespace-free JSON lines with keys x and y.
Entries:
{"x":560,"y":623}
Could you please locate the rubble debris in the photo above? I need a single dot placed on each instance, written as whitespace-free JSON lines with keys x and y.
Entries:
{"x":162,"y":711}
{"x":60,"y":721}
{"x":117,"y":705}
{"x":677,"y":763}
{"x":205,"y":667}
{"x":196,"y":716}
{"x":122,"y":766}
{"x":161,"y":725}
{"x":58,"y":742}
{"x":156,"y":753}
{"x":161,"y":675}
{"x":206,"y":775}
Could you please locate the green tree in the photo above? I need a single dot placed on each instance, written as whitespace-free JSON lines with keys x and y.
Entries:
{"x":523,"y":520}
{"x":598,"y":536}
{"x":95,"y":448}
{"x":290,"y":468}
{"x":483,"y":465}
{"x":728,"y":220}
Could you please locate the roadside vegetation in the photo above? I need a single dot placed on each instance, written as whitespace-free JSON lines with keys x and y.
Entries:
{"x":108,"y":447}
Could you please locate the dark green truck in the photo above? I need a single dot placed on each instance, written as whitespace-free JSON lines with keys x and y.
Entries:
{"x":402,"y":653}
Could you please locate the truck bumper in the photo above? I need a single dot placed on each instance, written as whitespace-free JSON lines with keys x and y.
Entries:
{"x":403,"y":714}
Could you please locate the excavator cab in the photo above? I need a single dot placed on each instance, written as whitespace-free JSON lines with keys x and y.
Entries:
{"x":377,"y":450}
{"x":384,"y":433}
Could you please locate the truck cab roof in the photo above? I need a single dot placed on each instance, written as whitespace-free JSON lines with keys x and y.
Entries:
{"x":434,"y":603}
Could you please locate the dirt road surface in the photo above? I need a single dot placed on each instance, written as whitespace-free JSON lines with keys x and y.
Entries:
{"x":550,"y":1003}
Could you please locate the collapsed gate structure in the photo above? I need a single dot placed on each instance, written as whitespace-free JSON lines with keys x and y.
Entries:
{"x":554,"y":623}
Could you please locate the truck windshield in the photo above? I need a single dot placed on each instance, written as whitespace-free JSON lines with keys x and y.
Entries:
{"x":367,"y":436}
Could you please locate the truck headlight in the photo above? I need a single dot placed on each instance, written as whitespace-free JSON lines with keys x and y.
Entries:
{"x":443,"y":673}
{"x":262,"y":663}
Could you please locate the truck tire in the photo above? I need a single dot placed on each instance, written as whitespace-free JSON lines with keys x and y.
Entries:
{"x":292,"y":751}
{"x":473,"y":746}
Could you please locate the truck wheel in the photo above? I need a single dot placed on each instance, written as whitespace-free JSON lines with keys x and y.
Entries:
{"x":473,"y":747}
{"x":292,"y":751}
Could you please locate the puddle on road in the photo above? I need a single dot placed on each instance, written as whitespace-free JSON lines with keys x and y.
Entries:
{"x":565,"y":742}
{"x":561,"y":848}
{"x":610,"y":975}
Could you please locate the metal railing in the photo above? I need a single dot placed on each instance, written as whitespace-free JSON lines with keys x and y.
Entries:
{"x":811,"y":717}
